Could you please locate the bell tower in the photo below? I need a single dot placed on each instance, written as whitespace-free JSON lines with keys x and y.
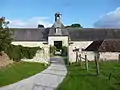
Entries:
{"x":57,"y":17}
{"x":58,"y":23}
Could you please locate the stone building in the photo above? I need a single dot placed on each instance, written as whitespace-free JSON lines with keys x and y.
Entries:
{"x":58,"y":35}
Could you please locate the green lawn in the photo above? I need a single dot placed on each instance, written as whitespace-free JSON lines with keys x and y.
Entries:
{"x":79,"y":79}
{"x":19,"y":71}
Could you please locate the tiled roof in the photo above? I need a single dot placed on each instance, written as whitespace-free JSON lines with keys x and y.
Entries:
{"x":107,"y":45}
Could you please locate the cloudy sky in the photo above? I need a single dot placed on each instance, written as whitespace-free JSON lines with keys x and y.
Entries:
{"x":89,"y":13}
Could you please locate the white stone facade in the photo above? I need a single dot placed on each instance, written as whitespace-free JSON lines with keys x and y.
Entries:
{"x":109,"y":56}
{"x":90,"y":55}
{"x":64,"y":40}
{"x":81,"y":45}
{"x":44,"y":55}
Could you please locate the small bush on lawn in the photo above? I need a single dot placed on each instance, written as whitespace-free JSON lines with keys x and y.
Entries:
{"x":17,"y":52}
{"x":52,"y":50}
{"x":64,"y":51}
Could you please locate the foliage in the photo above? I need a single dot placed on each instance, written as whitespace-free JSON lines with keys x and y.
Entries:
{"x":5,"y":35}
{"x":40,"y":26}
{"x":67,"y":26}
{"x":14,"y":52}
{"x":18,"y":52}
{"x":76,"y":25}
{"x":64,"y":51}
{"x":52,"y":49}
{"x":18,"y":71}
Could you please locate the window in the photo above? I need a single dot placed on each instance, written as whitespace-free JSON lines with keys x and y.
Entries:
{"x":58,"y":31}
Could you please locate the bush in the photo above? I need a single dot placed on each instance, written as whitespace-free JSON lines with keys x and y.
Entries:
{"x":52,"y":49}
{"x":14,"y":52}
{"x":64,"y":51}
{"x":17,"y":52}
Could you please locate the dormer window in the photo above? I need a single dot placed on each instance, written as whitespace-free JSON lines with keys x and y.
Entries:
{"x":58,"y":31}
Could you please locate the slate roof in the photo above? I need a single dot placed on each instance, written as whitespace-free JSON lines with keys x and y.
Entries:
{"x":64,"y":32}
{"x":30,"y":34}
{"x":107,"y":45}
{"x":58,"y":24}
{"x":75,"y":34}
{"x":92,"y":34}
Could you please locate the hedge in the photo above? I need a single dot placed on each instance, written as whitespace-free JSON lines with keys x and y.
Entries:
{"x":17,"y":52}
{"x":64,"y":51}
{"x":52,"y":49}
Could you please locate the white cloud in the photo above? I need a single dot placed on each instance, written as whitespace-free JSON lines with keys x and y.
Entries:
{"x":110,"y":20}
{"x":29,"y":23}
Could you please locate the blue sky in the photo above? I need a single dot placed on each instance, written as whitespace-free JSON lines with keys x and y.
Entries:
{"x":89,"y":13}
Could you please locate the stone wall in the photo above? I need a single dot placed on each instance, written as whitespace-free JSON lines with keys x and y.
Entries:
{"x":81,"y":45}
{"x":109,"y":56}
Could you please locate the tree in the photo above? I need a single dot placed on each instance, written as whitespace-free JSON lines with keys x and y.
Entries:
{"x":5,"y":34}
{"x":67,"y":26}
{"x":40,"y":26}
{"x":76,"y":25}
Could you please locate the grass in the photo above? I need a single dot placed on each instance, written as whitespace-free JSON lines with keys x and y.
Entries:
{"x":80,"y":79}
{"x":19,"y":71}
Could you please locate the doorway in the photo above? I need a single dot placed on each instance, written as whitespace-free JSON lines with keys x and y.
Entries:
{"x":58,"y":44}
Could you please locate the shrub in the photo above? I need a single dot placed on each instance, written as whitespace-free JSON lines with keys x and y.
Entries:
{"x":64,"y":51}
{"x":14,"y":52}
{"x":17,"y":52}
{"x":52,"y":49}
